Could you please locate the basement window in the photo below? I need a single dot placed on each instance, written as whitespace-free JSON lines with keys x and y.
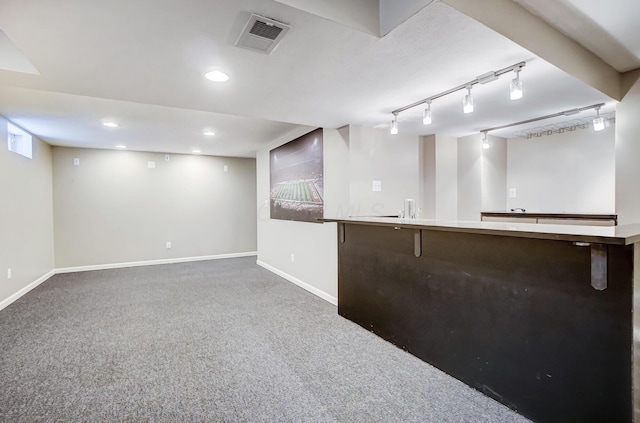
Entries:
{"x":19,"y":141}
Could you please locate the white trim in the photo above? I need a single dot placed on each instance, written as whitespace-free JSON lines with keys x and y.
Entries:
{"x":151,"y":262}
{"x":9,"y":300}
{"x":13,"y":297}
{"x":333,"y":300}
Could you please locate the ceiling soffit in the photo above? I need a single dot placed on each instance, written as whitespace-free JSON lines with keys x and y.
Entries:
{"x":375,"y":17}
{"x":362,"y":15}
{"x":12,"y":59}
{"x":607,"y":41}
{"x":531,"y":32}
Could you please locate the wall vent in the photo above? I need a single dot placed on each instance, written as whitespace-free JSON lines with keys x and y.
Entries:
{"x":262,"y":34}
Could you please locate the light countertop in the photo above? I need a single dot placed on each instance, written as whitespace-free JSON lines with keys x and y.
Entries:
{"x":617,"y":235}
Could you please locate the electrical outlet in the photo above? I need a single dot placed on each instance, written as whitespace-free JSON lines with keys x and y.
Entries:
{"x":293,"y":257}
{"x":168,"y":245}
{"x":76,"y":161}
{"x":167,"y":157}
{"x":512,"y":193}
{"x":376,"y":186}
{"x":226,"y":168}
{"x":9,"y":273}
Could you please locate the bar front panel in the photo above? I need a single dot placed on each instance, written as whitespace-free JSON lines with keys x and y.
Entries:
{"x":514,"y":318}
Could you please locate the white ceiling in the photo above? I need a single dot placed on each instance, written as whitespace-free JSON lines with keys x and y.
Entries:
{"x":142,"y":62}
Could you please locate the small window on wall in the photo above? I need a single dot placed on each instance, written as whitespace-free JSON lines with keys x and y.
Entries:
{"x":19,"y":141}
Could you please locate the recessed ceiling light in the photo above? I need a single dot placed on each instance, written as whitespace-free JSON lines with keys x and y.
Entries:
{"x":121,"y":146}
{"x":196,"y":151}
{"x":110,"y":124}
{"x":216,"y":76}
{"x":209,"y":133}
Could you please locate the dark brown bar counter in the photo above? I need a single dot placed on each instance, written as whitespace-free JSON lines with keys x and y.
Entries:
{"x":538,"y":317}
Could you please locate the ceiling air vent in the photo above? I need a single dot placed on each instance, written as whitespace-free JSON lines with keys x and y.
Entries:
{"x":262,"y":34}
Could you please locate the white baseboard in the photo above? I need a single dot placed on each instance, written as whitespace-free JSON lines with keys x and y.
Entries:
{"x":329,"y":298}
{"x":151,"y":262}
{"x":4,"y":303}
{"x":9,"y":300}
{"x":333,"y":300}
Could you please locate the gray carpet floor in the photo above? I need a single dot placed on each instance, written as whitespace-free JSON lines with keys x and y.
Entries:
{"x":211,"y":341}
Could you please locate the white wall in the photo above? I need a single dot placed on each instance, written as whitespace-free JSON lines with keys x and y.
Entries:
{"x":438,"y":177}
{"x":394,"y":160}
{"x":494,"y":175}
{"x":446,"y":178}
{"x":627,"y":156}
{"x":26,"y":216}
{"x":113,"y":208}
{"x":313,"y":245}
{"x":568,"y":172}
{"x":482,"y":176}
{"x":470,"y":177}
{"x":336,"y":175}
{"x":427,"y":177}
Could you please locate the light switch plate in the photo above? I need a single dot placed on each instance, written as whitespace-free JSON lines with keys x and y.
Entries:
{"x":151,"y":165}
{"x":512,"y":193}
{"x":376,"y":186}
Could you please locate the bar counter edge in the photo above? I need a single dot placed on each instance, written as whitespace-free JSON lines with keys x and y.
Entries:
{"x":615,"y":235}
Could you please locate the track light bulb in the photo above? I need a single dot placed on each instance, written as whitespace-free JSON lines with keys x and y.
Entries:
{"x":394,"y":125}
{"x":485,"y":141}
{"x":598,"y":122}
{"x":426,"y":117}
{"x":467,"y":103}
{"x":515,"y":89}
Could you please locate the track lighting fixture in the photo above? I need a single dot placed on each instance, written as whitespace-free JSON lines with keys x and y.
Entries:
{"x":426,"y":116}
{"x":394,"y":124}
{"x":515,"y":89}
{"x":467,"y":103}
{"x":485,"y":141}
{"x":597,"y":126}
{"x":598,"y":122}
{"x":516,"y":92}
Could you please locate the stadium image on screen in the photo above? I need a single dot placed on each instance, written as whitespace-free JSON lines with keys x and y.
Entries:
{"x":297,"y":179}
